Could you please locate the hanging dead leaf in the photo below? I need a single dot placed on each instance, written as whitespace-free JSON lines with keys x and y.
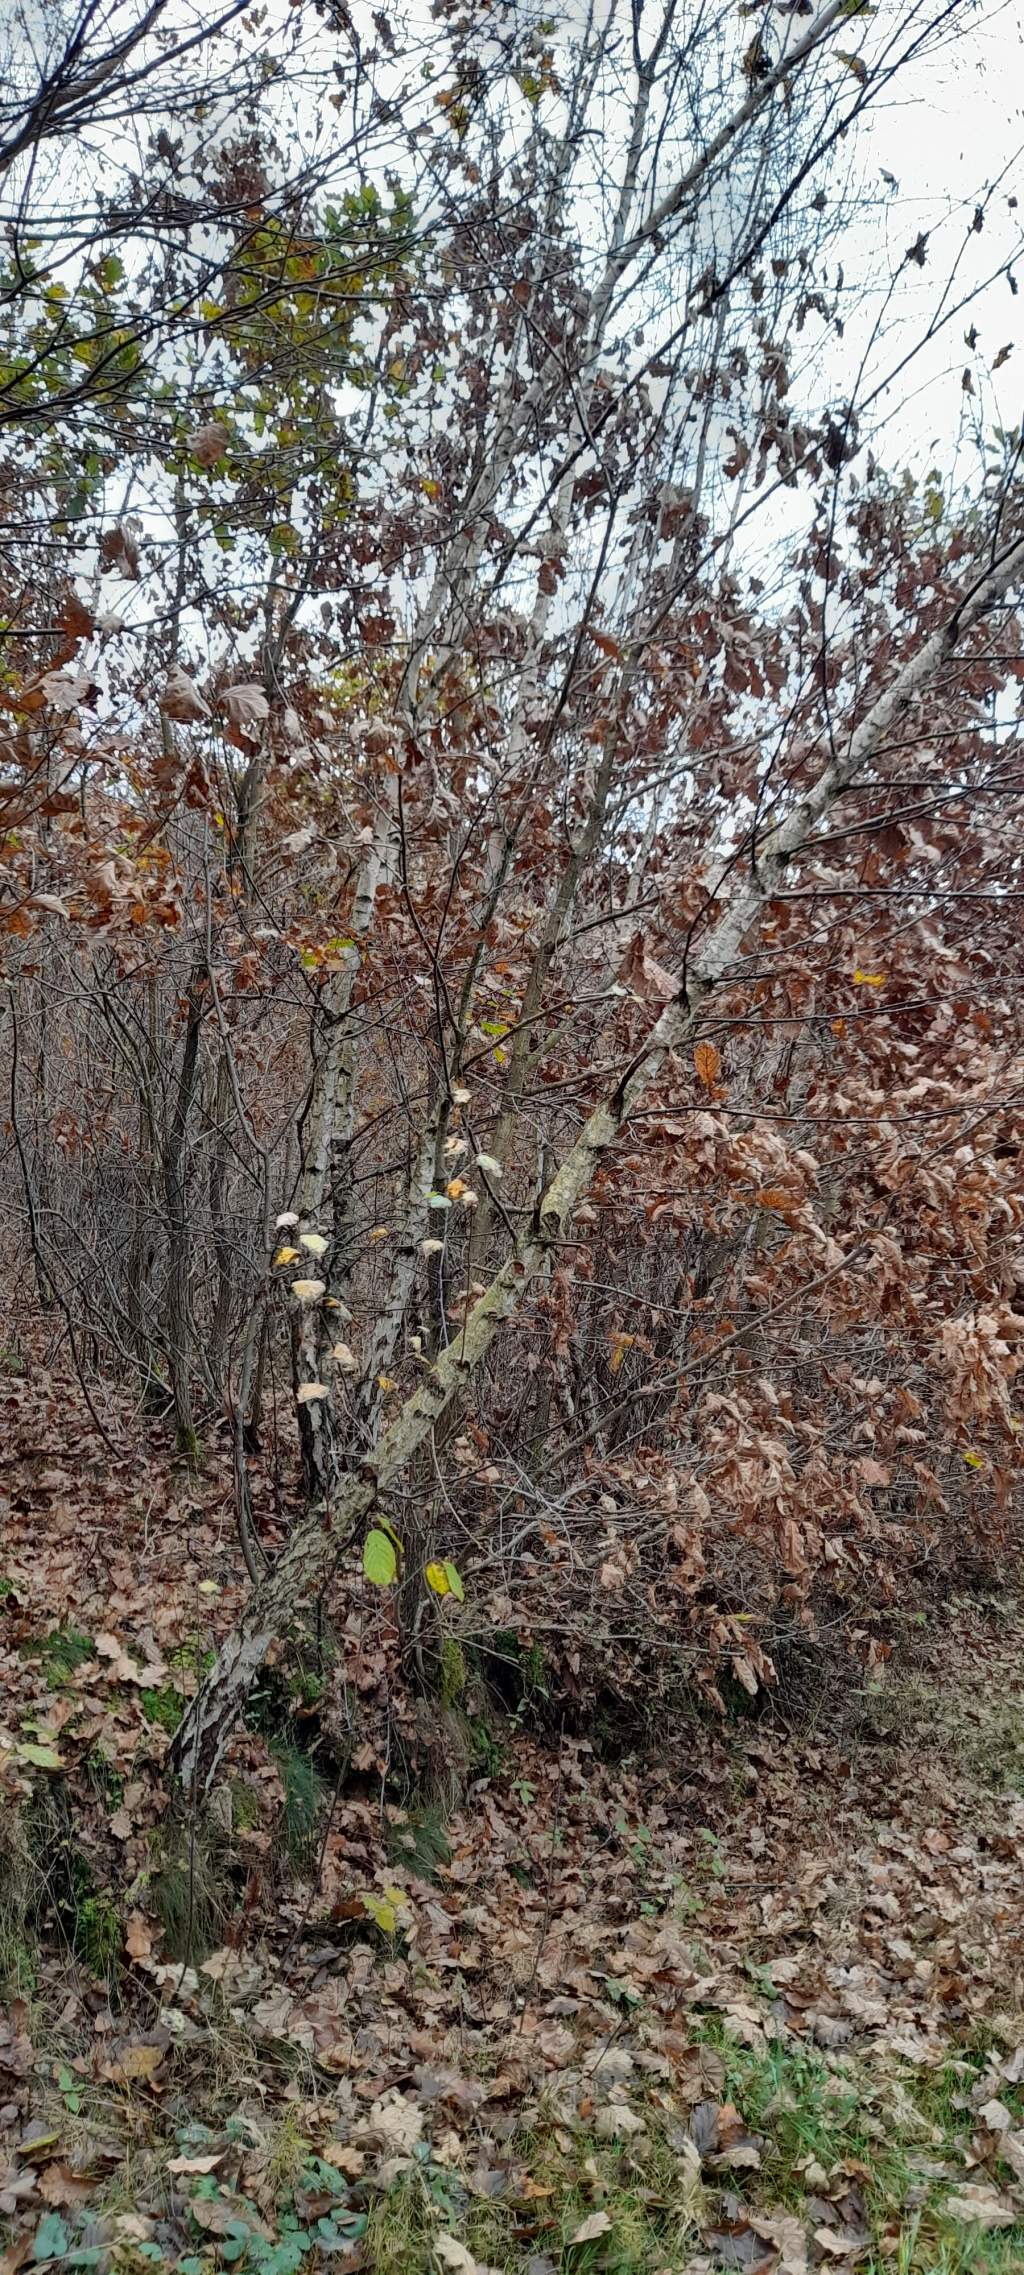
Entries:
{"x":708,"y":1063}
{"x":246,"y":706}
{"x":119,"y":549}
{"x":181,"y":700}
{"x":644,"y":977}
{"x":209,"y":443}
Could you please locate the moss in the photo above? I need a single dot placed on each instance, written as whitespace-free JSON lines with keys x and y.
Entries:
{"x":245,"y":1808}
{"x":487,"y":1749}
{"x":454,"y":1673}
{"x":164,"y":1707}
{"x":187,"y":1449}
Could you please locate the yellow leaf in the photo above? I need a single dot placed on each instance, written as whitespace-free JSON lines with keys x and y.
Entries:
{"x":456,"y":1188}
{"x":287,"y":1256}
{"x":385,"y":1383}
{"x":437,"y":1578}
{"x":381,"y":1912}
{"x":868,"y":979}
{"x":380,"y":1232}
{"x":974,"y":1461}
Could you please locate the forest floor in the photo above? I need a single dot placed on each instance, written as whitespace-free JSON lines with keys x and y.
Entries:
{"x":753,"y":2000}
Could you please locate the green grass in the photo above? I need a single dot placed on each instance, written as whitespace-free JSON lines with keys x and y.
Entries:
{"x":66,"y":1649}
{"x":802,"y":2104}
{"x":419,"y":1842}
{"x":303,"y":1792}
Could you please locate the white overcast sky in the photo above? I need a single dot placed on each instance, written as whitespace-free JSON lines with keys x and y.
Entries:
{"x":951,"y":129}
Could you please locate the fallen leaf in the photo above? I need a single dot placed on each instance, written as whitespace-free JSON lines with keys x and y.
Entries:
{"x":454,"y":2255}
{"x":617,"y":2122}
{"x":138,"y":1940}
{"x":135,"y":2064}
{"x":58,"y":2185}
{"x":344,"y":2159}
{"x":598,"y":2224}
{"x":788,"y":2234}
{"x":1010,"y":2146}
{"x":983,"y":2205}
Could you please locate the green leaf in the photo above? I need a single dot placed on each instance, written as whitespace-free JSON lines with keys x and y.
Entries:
{"x":379,"y":1560}
{"x":235,"y":2242}
{"x":40,"y":1757}
{"x":455,"y":1584}
{"x":51,"y":2238}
